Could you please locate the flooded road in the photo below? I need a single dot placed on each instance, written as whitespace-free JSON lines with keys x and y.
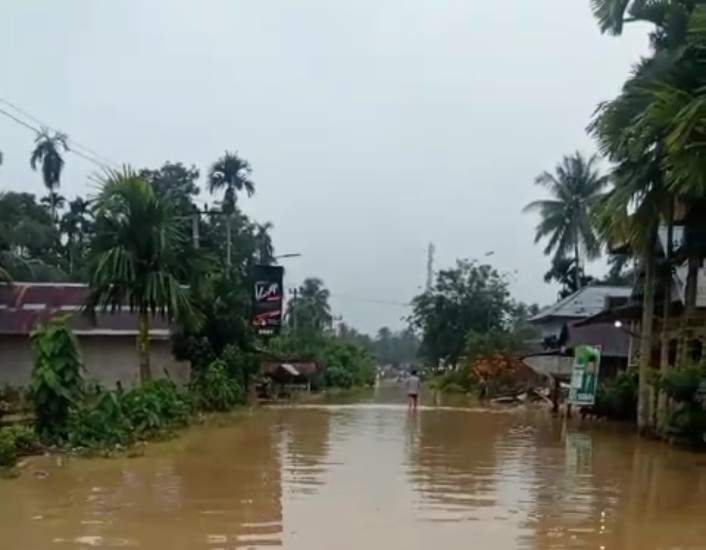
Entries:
{"x":369,"y":475}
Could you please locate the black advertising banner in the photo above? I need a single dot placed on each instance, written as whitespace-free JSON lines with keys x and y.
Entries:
{"x":267,"y":298}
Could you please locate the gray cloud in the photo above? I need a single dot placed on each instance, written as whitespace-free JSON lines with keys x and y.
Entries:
{"x":373,"y":127}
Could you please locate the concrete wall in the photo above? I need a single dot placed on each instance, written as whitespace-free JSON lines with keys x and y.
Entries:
{"x":107,"y":359}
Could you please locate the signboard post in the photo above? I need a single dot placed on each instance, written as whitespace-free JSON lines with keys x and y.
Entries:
{"x":267,"y":295}
{"x":584,"y":375}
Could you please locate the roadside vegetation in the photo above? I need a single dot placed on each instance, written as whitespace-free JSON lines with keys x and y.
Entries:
{"x":472,"y":332}
{"x":652,"y":135}
{"x":133,"y":244}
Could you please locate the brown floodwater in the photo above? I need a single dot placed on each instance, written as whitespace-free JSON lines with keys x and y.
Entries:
{"x":369,"y":474}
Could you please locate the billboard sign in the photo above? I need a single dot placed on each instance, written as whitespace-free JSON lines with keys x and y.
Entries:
{"x":584,"y":375}
{"x":267,"y":296}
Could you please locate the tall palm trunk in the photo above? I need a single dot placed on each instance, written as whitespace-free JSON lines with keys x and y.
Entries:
{"x":662,"y":401}
{"x":644,"y":397}
{"x":143,"y":345}
{"x":229,"y":239}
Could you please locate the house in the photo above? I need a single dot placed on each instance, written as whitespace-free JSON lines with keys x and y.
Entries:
{"x":283,"y":377}
{"x":108,"y":343}
{"x":562,"y":329}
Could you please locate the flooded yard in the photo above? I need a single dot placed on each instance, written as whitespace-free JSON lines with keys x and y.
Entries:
{"x":369,"y":474}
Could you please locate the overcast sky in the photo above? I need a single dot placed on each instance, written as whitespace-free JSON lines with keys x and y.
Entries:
{"x":373,"y":126}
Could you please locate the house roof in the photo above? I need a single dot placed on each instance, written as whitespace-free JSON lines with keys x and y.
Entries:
{"x":23,"y":306}
{"x":585,"y":302}
{"x":295,"y":368}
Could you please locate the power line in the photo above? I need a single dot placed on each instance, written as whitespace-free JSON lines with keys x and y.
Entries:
{"x":107,"y":163}
{"x":370,"y":300}
{"x":75,"y":144}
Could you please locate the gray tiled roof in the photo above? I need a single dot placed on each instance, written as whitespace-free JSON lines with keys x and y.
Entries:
{"x":588,"y":301}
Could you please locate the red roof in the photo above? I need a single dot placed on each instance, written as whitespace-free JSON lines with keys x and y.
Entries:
{"x":23,"y":306}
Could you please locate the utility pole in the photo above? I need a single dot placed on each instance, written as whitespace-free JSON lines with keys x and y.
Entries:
{"x":430,"y":264}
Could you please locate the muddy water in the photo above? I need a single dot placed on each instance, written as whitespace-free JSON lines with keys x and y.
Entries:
{"x":369,"y":474}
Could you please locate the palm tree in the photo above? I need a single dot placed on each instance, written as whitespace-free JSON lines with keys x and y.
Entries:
{"x":232,"y":174}
{"x":75,"y":225}
{"x":576,"y":186}
{"x":54,"y":202}
{"x":640,"y":198}
{"x":138,"y":256}
{"x":668,"y":16}
{"x":263,"y":243}
{"x":47,"y":152}
{"x":309,"y":309}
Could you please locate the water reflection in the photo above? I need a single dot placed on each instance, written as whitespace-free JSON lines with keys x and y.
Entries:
{"x":370,"y":475}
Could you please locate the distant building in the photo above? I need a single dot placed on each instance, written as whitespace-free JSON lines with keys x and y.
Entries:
{"x":562,"y":330}
{"x":108,"y":343}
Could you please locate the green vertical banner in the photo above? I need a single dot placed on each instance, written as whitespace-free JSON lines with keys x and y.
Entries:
{"x":584,"y":375}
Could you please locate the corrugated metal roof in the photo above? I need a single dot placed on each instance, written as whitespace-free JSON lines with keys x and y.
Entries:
{"x":302,"y":368}
{"x":586,"y":302}
{"x":23,"y":306}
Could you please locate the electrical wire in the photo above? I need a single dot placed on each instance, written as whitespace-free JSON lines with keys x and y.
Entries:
{"x":87,"y":153}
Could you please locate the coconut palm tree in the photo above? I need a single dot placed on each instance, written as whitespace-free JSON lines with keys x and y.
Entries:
{"x":575,"y":186}
{"x":47,"y":153}
{"x":138,"y":257}
{"x":231,"y":174}
{"x":309,"y":310}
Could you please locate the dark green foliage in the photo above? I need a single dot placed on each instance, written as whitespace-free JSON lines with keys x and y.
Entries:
{"x":30,"y":246}
{"x":347,"y":365}
{"x":230,"y":173}
{"x":309,"y":311}
{"x":16,"y":441}
{"x":8,"y":452}
{"x":685,"y":385}
{"x":99,"y":422}
{"x":681,"y":384}
{"x":156,"y":407}
{"x":105,"y":419}
{"x":469,"y":297}
{"x":689,"y":421}
{"x":56,"y":377}
{"x":461,"y":380}
{"x":215,"y":389}
{"x":617,"y":398}
{"x":575,"y":188}
{"x":242,"y":366}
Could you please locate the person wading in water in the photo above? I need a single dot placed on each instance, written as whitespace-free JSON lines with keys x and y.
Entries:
{"x":413,"y":385}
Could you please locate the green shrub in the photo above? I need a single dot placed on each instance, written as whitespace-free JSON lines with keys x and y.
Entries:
{"x":57,"y":381}
{"x":16,"y":441}
{"x":215,"y":390}
{"x":241,"y":365}
{"x":156,"y":406}
{"x":688,"y":420}
{"x":617,"y":398}
{"x":347,"y":365}
{"x":461,"y":380}
{"x":8,"y":451}
{"x":99,"y":422}
{"x":681,"y":384}
{"x":337,"y":376}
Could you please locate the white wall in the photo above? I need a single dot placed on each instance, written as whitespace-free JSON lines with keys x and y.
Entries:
{"x":107,"y":359}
